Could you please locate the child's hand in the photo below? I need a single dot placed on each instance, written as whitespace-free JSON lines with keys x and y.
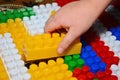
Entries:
{"x":76,"y":18}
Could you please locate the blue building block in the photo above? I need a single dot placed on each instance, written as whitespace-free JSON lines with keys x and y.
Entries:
{"x":116,"y":32}
{"x":91,"y":60}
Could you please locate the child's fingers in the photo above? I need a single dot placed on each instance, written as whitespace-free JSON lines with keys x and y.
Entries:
{"x":51,"y":25}
{"x":68,"y":39}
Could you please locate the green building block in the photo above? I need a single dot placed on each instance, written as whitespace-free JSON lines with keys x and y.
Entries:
{"x":74,"y":62}
{"x":67,"y":59}
{"x":18,"y":15}
{"x":72,"y":65}
{"x":11,"y":16}
{"x":95,"y":79}
{"x":22,"y":10}
{"x":29,"y":9}
{"x":25,"y":14}
{"x":76,"y":56}
{"x":3,"y":19}
{"x":1,"y":13}
{"x":32,"y":13}
{"x":80,"y":63}
{"x":8,"y":12}
{"x":15,"y":11}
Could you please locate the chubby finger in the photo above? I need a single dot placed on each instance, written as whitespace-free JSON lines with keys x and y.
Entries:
{"x":66,"y":42}
{"x":52,"y":24}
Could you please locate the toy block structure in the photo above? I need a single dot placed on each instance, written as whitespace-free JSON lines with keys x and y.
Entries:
{"x":14,"y":68}
{"x":27,"y":53}
{"x":28,"y":35}
{"x":54,"y":70}
{"x":17,"y":31}
{"x":37,"y":47}
{"x":16,"y":13}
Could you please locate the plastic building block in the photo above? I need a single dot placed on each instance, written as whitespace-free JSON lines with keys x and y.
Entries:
{"x":12,"y":60}
{"x":53,"y":12}
{"x":82,"y":77}
{"x":106,"y":55}
{"x":92,"y":60}
{"x":109,"y":38}
{"x":15,"y":14}
{"x":83,"y":73}
{"x":1,"y":13}
{"x":95,"y":79}
{"x":113,"y":78}
{"x":17,"y":30}
{"x":35,"y":24}
{"x":51,"y":71}
{"x":73,"y":62}
{"x":85,"y":69}
{"x":116,"y":70}
{"x":45,"y":9}
{"x":3,"y":19}
{"x":100,"y":74}
{"x":63,"y":2}
{"x":103,"y":51}
{"x":41,"y":44}
{"x":22,"y":33}
{"x":116,"y":32}
{"x":99,"y":61}
{"x":3,"y":72}
{"x":47,"y":43}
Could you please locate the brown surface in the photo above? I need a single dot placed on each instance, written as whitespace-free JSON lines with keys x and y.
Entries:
{"x":22,"y":3}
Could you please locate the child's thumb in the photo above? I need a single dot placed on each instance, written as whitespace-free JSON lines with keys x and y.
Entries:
{"x":66,"y":42}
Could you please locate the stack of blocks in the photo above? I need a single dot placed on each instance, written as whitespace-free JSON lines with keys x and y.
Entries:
{"x":22,"y":40}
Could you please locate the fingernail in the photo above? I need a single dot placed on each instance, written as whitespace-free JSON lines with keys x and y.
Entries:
{"x":60,"y":50}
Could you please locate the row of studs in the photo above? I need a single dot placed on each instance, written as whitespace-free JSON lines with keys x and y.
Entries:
{"x":110,"y":40}
{"x":35,"y":24}
{"x":12,"y":60}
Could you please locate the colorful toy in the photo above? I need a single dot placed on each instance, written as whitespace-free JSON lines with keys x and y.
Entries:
{"x":27,"y":53}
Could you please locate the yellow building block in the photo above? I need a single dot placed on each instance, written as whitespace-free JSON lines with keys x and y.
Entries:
{"x":52,"y":13}
{"x":45,"y":46}
{"x":3,"y":28}
{"x":3,"y":73}
{"x":51,"y":71}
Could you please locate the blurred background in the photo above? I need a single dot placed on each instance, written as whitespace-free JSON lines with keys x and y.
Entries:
{"x":15,"y":4}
